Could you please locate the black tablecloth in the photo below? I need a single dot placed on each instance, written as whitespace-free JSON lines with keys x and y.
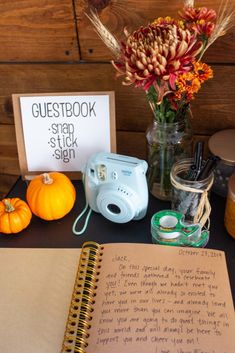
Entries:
{"x":58,"y":234}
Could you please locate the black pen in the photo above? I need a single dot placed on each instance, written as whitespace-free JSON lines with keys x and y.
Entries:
{"x":208,"y":168}
{"x":195,"y":168}
{"x":198,"y":156}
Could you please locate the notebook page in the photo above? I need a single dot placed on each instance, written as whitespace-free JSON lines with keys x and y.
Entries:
{"x":36,"y":287}
{"x":159,"y":299}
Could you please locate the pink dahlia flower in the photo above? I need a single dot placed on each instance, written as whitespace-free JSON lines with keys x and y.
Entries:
{"x":203,"y":28}
{"x":193,"y":14}
{"x":157,"y":52}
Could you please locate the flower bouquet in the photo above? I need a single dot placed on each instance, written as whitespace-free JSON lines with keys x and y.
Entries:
{"x":163,"y":59}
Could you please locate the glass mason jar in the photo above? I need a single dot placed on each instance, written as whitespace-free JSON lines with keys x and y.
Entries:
{"x":167,"y":143}
{"x":187,"y":194}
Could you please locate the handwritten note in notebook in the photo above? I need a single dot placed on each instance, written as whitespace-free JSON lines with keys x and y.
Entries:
{"x":139,"y":297}
{"x":158,"y":299}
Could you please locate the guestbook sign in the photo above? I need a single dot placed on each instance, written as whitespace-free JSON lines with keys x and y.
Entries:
{"x":58,"y":132}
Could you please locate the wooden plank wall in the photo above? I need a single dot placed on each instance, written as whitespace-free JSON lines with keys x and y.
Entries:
{"x":50,"y":46}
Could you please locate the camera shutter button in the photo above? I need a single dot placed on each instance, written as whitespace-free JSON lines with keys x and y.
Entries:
{"x":114,"y":175}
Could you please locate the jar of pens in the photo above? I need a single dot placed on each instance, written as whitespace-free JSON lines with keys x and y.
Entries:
{"x":192,"y":180}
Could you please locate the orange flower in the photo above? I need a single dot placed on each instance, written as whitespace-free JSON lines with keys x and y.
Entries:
{"x":187,"y":85}
{"x":202,"y":71}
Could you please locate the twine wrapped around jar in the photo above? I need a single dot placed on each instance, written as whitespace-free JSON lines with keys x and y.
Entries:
{"x":204,"y":208}
{"x":191,"y":197}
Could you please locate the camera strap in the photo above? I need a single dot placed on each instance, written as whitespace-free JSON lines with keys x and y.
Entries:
{"x":76,"y":232}
{"x":86,"y":220}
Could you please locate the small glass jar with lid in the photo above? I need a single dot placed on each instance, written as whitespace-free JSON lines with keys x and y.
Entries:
{"x":229,"y":218}
{"x":222,"y":144}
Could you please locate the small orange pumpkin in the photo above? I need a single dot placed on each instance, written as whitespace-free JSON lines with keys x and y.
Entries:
{"x":51,"y":195}
{"x":15,"y":215}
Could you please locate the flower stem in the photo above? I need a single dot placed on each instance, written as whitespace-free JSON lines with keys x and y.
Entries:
{"x":204,"y":47}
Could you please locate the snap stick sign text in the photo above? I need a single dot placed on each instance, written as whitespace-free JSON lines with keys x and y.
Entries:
{"x":60,"y":132}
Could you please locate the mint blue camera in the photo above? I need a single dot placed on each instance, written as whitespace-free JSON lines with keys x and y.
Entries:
{"x":116,"y":186}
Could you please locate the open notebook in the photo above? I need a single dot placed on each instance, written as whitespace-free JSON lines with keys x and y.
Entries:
{"x":115,"y":298}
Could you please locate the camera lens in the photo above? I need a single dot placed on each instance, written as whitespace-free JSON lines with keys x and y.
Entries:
{"x":113,"y":208}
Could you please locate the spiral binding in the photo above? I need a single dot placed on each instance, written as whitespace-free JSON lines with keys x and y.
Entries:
{"x":82,"y":302}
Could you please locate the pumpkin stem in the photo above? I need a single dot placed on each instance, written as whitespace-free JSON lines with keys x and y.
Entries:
{"x":9,"y":207}
{"x":47,"y":179}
